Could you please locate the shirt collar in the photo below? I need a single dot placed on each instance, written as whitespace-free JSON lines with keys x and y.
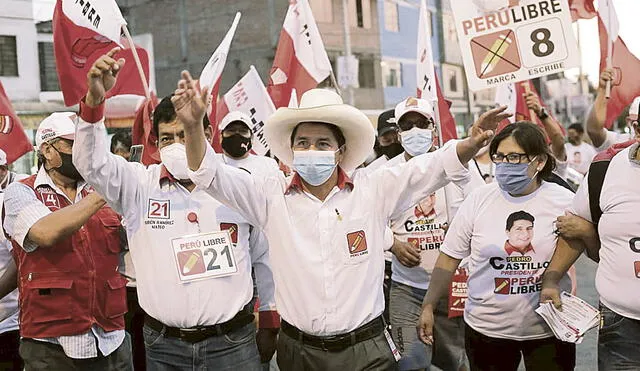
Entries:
{"x":343,"y":181}
{"x":165,"y":175}
{"x":509,"y":249}
{"x":43,"y":179}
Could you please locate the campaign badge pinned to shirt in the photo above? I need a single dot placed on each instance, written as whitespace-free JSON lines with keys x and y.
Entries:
{"x":357,"y":242}
{"x":204,"y":256}
{"x":233,"y":230}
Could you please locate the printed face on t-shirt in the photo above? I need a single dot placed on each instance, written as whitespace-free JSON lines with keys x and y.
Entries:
{"x":520,"y":234}
{"x":577,"y":157}
{"x":427,"y":204}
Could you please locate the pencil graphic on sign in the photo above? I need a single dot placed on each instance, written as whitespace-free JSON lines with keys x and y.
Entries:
{"x":497,"y":50}
{"x":191,"y":262}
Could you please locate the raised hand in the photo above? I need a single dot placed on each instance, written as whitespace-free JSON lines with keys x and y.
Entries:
{"x":533,"y":102}
{"x":102,"y":77}
{"x":484,"y":128}
{"x":189,"y":101}
{"x":605,"y":76}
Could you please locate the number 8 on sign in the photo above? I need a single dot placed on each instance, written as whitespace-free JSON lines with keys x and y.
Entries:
{"x":542,"y":43}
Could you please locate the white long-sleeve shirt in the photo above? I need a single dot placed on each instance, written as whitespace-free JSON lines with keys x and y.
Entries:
{"x":328,"y":264}
{"x":156,"y":209}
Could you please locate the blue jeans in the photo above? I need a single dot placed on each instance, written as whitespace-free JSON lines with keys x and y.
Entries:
{"x":234,"y":351}
{"x":618,"y":342}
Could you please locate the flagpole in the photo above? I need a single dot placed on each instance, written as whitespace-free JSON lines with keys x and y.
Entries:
{"x":137,"y":59}
{"x":609,"y":48}
{"x":334,"y":82}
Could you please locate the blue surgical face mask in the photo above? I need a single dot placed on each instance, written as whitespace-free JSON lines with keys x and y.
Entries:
{"x":514,"y":178}
{"x":417,"y":141}
{"x":314,"y":167}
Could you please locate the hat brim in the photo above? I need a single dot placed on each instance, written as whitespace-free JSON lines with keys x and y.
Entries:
{"x":355,"y":126}
{"x":388,"y":129}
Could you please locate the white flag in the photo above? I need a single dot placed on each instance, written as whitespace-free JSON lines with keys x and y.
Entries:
{"x":250,"y":96}
{"x":101,"y":16}
{"x":212,"y":71}
{"x":609,"y":18}
{"x":506,"y":96}
{"x":424,"y":66}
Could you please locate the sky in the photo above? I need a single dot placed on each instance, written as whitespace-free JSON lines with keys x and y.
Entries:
{"x":628,"y":11}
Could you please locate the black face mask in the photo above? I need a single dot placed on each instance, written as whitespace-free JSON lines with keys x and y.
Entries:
{"x":390,"y":151}
{"x":67,"y":168}
{"x":236,"y":145}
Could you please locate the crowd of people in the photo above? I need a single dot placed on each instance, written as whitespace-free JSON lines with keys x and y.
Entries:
{"x":433,"y":255}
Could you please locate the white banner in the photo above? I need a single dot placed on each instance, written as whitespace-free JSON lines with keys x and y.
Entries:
{"x":531,"y":39}
{"x":506,"y":96}
{"x":101,"y":16}
{"x":426,"y":79}
{"x":250,"y":96}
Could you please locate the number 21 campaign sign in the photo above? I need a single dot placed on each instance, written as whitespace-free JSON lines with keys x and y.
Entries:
{"x":519,"y":41}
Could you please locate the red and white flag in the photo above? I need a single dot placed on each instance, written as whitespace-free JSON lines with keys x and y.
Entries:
{"x":626,"y":66}
{"x":211,"y":74}
{"x":301,"y":62}
{"x":82,"y":32}
{"x":582,"y":9}
{"x":142,"y":131}
{"x":13,"y":140}
{"x":513,"y":96}
{"x":428,"y":86}
{"x":250,"y":97}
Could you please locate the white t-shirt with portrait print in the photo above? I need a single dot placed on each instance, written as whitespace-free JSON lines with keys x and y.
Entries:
{"x":618,"y":274}
{"x":579,"y":157}
{"x":504,"y":284}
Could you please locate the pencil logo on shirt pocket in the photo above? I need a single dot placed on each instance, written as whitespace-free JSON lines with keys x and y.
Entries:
{"x":357,"y":242}
{"x":233,"y":230}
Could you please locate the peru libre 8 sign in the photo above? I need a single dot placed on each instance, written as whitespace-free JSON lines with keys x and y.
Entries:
{"x":506,"y":41}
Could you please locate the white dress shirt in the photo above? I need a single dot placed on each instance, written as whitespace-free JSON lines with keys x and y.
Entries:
{"x":328,"y":262}
{"x":22,"y":210}
{"x":135,"y":192}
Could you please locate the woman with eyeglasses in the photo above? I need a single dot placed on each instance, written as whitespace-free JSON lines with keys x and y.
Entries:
{"x":507,"y":229}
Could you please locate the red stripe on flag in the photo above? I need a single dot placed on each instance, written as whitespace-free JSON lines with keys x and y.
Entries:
{"x":297,"y":76}
{"x":76,"y":48}
{"x":13,"y":140}
{"x":626,"y":66}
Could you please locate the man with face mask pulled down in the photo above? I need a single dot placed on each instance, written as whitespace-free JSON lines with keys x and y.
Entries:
{"x":192,"y":255}
{"x":66,"y":245}
{"x":418,"y":233}
{"x":328,"y":219}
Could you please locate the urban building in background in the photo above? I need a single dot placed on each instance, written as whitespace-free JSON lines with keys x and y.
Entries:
{"x":182,"y":34}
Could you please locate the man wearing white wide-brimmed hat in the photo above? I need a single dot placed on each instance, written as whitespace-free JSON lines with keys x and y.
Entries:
{"x":329,"y":221}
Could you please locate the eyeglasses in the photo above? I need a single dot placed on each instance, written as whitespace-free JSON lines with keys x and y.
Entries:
{"x":421,"y":123}
{"x":512,"y":158}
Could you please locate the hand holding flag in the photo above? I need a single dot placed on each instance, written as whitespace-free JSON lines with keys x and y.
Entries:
{"x":102,"y":77}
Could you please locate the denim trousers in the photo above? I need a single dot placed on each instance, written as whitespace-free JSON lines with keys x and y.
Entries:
{"x":236,"y":350}
{"x":618,"y":342}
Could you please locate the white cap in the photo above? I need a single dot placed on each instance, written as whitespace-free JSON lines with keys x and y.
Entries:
{"x":235,"y":116}
{"x":411,"y":104}
{"x":3,"y":158}
{"x":635,"y":107}
{"x":57,"y":125}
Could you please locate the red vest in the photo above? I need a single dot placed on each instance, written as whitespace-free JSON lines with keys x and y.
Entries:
{"x":68,"y":287}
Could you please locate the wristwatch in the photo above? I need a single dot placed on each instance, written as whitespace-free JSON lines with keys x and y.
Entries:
{"x":543,"y":114}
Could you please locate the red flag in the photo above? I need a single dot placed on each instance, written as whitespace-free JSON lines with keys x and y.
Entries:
{"x":523,"y":112}
{"x":76,"y":48}
{"x":626,"y":66}
{"x":447,"y":122}
{"x":142,"y":131}
{"x":582,"y":9}
{"x":13,"y":140}
{"x":301,"y":62}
